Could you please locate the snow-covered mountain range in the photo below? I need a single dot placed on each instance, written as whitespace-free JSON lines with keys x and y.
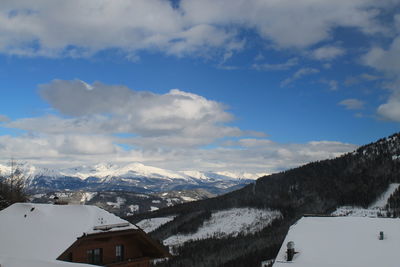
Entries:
{"x":131,"y":177}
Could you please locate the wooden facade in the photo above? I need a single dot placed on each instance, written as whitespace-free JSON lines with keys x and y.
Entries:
{"x":124,"y":248}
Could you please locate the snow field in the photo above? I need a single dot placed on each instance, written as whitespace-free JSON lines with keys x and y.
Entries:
{"x":117,"y":205}
{"x":149,"y":225}
{"x":87,"y":196}
{"x":228,"y":223}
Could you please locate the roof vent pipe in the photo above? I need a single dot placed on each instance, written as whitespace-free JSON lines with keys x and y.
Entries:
{"x":290,"y":250}
{"x":381,"y":235}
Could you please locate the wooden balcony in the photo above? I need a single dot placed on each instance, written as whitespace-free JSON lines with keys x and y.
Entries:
{"x":141,"y":262}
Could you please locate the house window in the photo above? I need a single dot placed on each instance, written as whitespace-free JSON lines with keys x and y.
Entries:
{"x":119,"y":252}
{"x":95,"y":256}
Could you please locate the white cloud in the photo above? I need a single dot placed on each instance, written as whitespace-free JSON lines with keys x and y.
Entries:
{"x":352,"y":103}
{"x":75,"y":28}
{"x":55,"y":150}
{"x":279,"y":66}
{"x":391,"y":109}
{"x":364,"y":77}
{"x":287,"y":23}
{"x":3,"y":118}
{"x":328,"y":52}
{"x":176,"y":118}
{"x":333,"y":84}
{"x":268,"y":156}
{"x":387,"y":61}
{"x":108,"y":123}
{"x":250,"y":155}
{"x":397,"y":22}
{"x":369,"y":77}
{"x":298,"y":75}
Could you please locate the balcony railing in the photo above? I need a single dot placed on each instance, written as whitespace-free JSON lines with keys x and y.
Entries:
{"x":141,"y":262}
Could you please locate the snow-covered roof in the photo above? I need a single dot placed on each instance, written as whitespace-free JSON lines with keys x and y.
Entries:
{"x":342,"y":241}
{"x":44,"y":231}
{"x":14,"y":262}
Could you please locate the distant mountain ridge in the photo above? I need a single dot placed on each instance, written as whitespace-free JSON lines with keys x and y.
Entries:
{"x":123,"y":203}
{"x":131,"y":177}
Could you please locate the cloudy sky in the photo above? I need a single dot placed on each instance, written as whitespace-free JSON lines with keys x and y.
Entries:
{"x":238,"y":85}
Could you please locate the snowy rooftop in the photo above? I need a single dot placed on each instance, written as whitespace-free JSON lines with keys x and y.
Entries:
{"x":342,"y":241}
{"x":13,"y":262}
{"x":44,"y":231}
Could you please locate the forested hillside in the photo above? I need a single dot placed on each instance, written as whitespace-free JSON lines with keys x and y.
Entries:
{"x":393,"y":205}
{"x":354,"y":179}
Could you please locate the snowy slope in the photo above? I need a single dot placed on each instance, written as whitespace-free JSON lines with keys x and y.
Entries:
{"x":342,"y":242}
{"x":228,"y":223}
{"x":383,"y":199}
{"x":376,"y":209}
{"x":149,"y":225}
{"x":223,"y":175}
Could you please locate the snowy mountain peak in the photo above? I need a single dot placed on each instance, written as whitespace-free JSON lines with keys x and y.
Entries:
{"x":133,"y":176}
{"x":141,"y":169}
{"x":242,"y":175}
{"x":135,"y":169}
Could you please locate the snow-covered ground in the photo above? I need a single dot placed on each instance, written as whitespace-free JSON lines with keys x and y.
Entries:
{"x":149,"y":225}
{"x":87,"y":196}
{"x":358,"y":212}
{"x":228,"y":223}
{"x":376,"y":209}
{"x":188,"y":199}
{"x":204,"y":175}
{"x":117,"y":204}
{"x":133,"y":208}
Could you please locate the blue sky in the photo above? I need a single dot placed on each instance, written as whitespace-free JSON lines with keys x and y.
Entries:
{"x":254,"y":86}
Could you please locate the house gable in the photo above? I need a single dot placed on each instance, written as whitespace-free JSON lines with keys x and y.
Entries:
{"x":137,"y":246}
{"x":46,"y":232}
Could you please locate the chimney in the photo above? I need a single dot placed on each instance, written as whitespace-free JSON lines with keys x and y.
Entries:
{"x":381,"y":235}
{"x":290,"y":250}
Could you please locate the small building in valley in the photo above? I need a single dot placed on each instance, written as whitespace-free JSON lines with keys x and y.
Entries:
{"x":341,"y":242}
{"x":73,"y":233}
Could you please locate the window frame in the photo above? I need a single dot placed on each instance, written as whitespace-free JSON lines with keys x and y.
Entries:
{"x":95,"y":256}
{"x":119,"y":253}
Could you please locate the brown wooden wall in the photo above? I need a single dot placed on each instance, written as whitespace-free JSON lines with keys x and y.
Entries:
{"x":132,"y":250}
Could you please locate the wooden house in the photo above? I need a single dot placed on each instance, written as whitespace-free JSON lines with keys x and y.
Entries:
{"x":74,"y":233}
